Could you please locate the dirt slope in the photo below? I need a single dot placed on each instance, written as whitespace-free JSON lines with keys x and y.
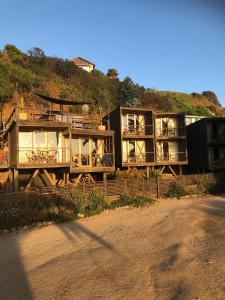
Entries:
{"x":174,"y":250}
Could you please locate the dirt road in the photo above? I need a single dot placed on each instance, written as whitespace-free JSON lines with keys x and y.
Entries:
{"x":173,"y":250}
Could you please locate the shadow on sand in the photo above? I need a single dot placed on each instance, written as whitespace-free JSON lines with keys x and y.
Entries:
{"x":14,"y":282}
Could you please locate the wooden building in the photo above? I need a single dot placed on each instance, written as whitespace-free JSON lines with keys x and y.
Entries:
{"x":83,"y":64}
{"x":57,"y":146}
{"x":206,"y":144}
{"x":170,"y":141}
{"x":134,"y":137}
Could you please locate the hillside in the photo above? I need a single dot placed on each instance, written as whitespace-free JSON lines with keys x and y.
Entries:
{"x":21,"y":74}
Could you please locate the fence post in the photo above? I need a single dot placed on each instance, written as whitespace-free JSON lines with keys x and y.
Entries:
{"x":105,"y":183}
{"x":27,"y":212}
{"x":157,"y":186}
{"x":125,"y":186}
{"x":143,"y":186}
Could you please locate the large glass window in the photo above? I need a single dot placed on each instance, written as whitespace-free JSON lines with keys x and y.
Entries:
{"x":53,"y":139}
{"x":85,"y":161}
{"x":40,"y":139}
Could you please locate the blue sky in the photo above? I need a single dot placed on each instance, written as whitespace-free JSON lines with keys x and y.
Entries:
{"x":176,"y":45}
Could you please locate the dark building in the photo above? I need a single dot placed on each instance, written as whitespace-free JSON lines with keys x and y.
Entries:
{"x":170,"y":140}
{"x":206,"y":143}
{"x":134,"y":137}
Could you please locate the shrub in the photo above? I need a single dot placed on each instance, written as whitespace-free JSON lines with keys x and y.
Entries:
{"x":176,"y":190}
{"x":132,"y":200}
{"x":88,"y":205}
{"x":78,"y":200}
{"x":95,"y":203}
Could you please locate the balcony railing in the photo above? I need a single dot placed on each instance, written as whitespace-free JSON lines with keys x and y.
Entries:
{"x":173,"y":157}
{"x":93,"y":160}
{"x":137,"y":130}
{"x":77,"y":121}
{"x":138,"y":158}
{"x":170,"y":132}
{"x":43,"y":155}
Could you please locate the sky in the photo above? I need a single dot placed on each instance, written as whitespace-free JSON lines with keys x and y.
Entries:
{"x":175,"y":45}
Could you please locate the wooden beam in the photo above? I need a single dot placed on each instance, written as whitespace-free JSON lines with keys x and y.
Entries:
{"x":91,"y":179}
{"x":32,"y":177}
{"x":15,"y":179}
{"x":163,"y":168}
{"x":171,"y":169}
{"x":52,"y":182}
{"x":148,"y":172}
{"x":43,"y":179}
{"x":78,"y":178}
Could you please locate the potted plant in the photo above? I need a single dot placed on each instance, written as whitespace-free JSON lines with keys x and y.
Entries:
{"x":100,"y":111}
{"x":22,"y":114}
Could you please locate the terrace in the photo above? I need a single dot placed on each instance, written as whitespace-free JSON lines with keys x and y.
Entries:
{"x":57,"y":117}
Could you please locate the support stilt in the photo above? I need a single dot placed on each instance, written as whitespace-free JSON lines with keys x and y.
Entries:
{"x":15,"y":179}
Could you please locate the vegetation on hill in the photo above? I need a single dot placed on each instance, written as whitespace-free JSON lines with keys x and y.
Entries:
{"x":22,"y":74}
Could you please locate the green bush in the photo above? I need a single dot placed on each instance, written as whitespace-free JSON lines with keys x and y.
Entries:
{"x":176,"y":190}
{"x":88,"y":205}
{"x":78,"y":201}
{"x":95,"y":203}
{"x":132,"y":200}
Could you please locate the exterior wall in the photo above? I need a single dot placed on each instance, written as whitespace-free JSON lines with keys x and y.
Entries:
{"x":192,"y":119}
{"x":197,"y":144}
{"x":170,"y":139}
{"x":13,"y":146}
{"x":115,"y":124}
{"x":134,"y":136}
{"x":87,"y":68}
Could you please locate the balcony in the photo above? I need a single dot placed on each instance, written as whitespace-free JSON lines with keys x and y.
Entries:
{"x":77,"y":121}
{"x":36,"y":156}
{"x":92,"y":160}
{"x":147,"y":157}
{"x":173,"y":157}
{"x":130,"y":130}
{"x":170,"y":132}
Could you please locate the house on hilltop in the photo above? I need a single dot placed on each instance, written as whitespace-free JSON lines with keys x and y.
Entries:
{"x":83,"y":64}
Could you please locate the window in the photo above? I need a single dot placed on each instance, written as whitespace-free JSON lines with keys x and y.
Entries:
{"x":40,"y":139}
{"x":84,"y":142}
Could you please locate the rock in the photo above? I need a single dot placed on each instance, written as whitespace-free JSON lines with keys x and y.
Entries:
{"x":39,"y":224}
{"x":80,"y":215}
{"x":24,"y":228}
{"x":5,"y":230}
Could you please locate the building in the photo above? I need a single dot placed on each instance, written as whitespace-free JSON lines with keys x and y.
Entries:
{"x":206,"y":144}
{"x":191,"y":119}
{"x":134,"y":138}
{"x":83,"y":64}
{"x":57,"y":146}
{"x":170,"y":141}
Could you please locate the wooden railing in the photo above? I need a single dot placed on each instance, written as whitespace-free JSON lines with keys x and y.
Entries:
{"x":138,"y":158}
{"x":137,"y":130}
{"x":93,"y":160}
{"x":36,"y":155}
{"x":173,"y":157}
{"x":170,"y":132}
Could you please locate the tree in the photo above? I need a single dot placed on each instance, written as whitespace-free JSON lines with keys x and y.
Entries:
{"x":14,"y":54}
{"x":211,"y":96}
{"x":130,"y":93}
{"x":112,"y":73}
{"x":36,"y":52}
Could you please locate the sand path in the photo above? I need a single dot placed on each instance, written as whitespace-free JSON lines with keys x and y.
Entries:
{"x":173,"y":250}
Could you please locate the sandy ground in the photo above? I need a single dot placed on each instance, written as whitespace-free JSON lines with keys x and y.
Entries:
{"x":173,"y":250}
